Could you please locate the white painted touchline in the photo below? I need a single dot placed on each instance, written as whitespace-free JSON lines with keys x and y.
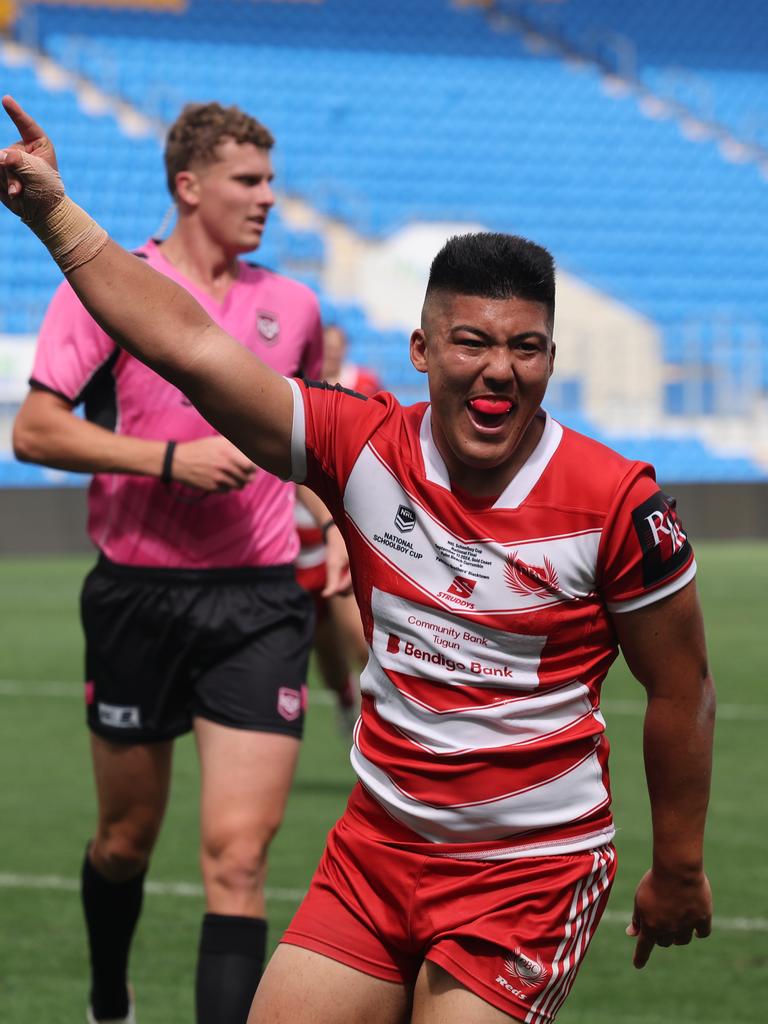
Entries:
{"x":193,"y":889}
{"x":736,"y":712}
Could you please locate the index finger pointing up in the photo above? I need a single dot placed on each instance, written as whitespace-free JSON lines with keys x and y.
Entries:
{"x":29,"y":130}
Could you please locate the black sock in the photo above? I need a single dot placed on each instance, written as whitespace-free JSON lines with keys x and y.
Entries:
{"x":111,"y":912}
{"x":229,"y":965}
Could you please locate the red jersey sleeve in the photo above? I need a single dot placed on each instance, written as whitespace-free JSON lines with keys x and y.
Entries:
{"x":644,"y":552}
{"x":331,"y":426}
{"x":71,"y":347}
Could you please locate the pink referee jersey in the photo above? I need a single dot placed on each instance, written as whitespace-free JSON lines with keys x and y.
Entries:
{"x":138,"y":520}
{"x":488,"y":623}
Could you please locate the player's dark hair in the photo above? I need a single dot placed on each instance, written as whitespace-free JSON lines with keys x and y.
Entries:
{"x":200,"y":128}
{"x":495,"y":266}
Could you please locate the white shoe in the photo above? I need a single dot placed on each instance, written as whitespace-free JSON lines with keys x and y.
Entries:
{"x":129,"y":1019}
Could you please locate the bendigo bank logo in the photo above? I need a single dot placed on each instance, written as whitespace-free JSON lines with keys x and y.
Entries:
{"x":662,"y":539}
{"x":414,"y":660}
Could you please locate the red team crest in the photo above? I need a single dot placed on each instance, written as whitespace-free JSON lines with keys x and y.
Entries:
{"x":531,"y":973}
{"x":531,"y":579}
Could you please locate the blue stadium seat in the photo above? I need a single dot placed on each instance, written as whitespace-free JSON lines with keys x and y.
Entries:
{"x":385,"y":113}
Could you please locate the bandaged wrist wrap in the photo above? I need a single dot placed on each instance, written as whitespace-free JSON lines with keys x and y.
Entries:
{"x":71,"y":236}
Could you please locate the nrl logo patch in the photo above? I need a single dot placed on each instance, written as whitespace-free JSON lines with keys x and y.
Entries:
{"x":405,"y":520}
{"x":268,"y":326}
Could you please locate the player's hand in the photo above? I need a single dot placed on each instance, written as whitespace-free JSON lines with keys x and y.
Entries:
{"x":338,"y":579}
{"x":669,"y":912}
{"x":211,"y":464}
{"x":30,"y":184}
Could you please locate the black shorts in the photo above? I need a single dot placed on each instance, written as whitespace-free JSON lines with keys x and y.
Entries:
{"x":165,"y":645}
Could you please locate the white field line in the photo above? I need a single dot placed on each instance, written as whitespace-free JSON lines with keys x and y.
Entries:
{"x":187,"y":889}
{"x":55,"y":688}
{"x":52,"y":688}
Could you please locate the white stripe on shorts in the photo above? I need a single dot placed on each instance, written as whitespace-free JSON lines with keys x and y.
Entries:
{"x":587,"y":897}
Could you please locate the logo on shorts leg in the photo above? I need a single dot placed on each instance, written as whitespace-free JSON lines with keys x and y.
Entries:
{"x":119,"y":716}
{"x":531,"y":973}
{"x":289,"y":703}
{"x":527,"y":972}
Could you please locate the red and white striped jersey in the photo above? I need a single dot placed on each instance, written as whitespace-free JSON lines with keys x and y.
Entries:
{"x":488,"y":623}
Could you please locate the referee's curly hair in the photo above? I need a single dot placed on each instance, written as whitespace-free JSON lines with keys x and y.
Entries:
{"x":200,"y":128}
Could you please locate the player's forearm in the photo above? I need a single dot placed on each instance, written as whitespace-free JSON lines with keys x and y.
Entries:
{"x":677,"y":747}
{"x":314,"y":505}
{"x":66,"y":442}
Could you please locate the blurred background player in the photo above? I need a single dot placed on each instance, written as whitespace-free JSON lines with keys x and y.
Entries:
{"x":340,"y":647}
{"x":192,"y":615}
{"x":338,"y":369}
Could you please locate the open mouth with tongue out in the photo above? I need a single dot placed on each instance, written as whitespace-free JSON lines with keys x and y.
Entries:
{"x":489,"y":412}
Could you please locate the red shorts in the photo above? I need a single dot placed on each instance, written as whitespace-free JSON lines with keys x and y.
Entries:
{"x":513,"y":932}
{"x":312,"y":578}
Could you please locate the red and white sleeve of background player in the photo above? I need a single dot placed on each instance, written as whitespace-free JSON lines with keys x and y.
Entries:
{"x":331,"y":426}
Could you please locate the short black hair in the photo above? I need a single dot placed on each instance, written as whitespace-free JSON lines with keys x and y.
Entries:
{"x":495,"y":266}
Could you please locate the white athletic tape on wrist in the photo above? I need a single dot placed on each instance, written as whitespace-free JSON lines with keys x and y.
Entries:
{"x":71,"y":236}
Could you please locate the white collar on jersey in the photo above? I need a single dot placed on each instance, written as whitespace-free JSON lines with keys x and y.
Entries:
{"x":521,"y":485}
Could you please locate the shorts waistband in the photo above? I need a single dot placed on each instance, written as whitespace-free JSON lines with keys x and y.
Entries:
{"x":232,"y":574}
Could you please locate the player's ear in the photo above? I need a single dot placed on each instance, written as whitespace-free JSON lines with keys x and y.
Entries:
{"x":187,"y":188}
{"x":418,"y":350}
{"x":552,"y":351}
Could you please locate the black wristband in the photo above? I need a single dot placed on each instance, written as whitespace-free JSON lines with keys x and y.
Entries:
{"x":325,"y":528}
{"x":167,"y":476}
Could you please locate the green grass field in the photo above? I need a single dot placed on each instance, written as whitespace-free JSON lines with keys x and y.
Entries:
{"x":47,"y":814}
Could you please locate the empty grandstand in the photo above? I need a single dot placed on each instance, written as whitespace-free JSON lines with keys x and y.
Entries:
{"x":630,"y":145}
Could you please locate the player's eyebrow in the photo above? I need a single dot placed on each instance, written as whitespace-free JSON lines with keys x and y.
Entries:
{"x":247,"y":176}
{"x":538,"y":335}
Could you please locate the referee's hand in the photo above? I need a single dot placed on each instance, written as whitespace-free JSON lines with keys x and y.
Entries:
{"x":211,"y":464}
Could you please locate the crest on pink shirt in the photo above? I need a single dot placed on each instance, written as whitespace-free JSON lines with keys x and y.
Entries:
{"x":268,"y":326}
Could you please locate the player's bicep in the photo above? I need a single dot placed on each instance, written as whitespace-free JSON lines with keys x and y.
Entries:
{"x":243,"y":398}
{"x":663,"y":644}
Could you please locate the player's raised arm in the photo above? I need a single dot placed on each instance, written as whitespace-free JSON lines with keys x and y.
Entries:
{"x":664,"y":647}
{"x":150,"y":316}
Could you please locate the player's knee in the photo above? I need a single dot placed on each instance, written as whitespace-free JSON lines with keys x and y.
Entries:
{"x":120,"y":854}
{"x":239,"y":865}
